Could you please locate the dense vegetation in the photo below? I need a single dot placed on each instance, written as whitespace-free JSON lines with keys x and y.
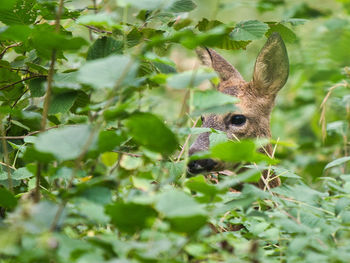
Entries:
{"x":100,"y":100}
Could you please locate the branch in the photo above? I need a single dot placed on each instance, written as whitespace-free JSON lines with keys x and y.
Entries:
{"x":7,"y":48}
{"x":25,"y":79}
{"x":48,"y":97}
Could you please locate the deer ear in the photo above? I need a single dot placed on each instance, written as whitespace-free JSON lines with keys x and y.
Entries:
{"x":212,"y":59}
{"x":271,"y":67}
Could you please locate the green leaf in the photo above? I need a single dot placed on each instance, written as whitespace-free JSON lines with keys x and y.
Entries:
{"x":7,"y":199}
{"x":149,"y":131}
{"x":180,"y":6}
{"x":100,"y":19}
{"x":341,"y":205}
{"x":61,"y":103}
{"x":189,"y":79}
{"x":287,"y":34}
{"x":235,"y":151}
{"x":144,"y":4}
{"x":15,"y":32}
{"x":108,"y":72}
{"x":337,"y":162}
{"x":212,"y":101}
{"x":18,"y":12}
{"x":199,"y":184}
{"x":44,"y":39}
{"x":98,"y":194}
{"x":104,"y":47}
{"x":182,"y":211}
{"x":64,"y":143}
{"x":22,"y":173}
{"x":108,"y":140}
{"x":131,"y":217}
{"x":249,"y":30}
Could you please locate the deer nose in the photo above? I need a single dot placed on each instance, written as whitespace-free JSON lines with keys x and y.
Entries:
{"x":198,"y":166}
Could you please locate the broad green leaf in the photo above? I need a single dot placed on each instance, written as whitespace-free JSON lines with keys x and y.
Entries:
{"x":180,"y":6}
{"x":212,"y":101}
{"x":235,"y":151}
{"x":98,"y":194}
{"x":109,"y":158}
{"x":61,"y":103}
{"x":182,"y":211}
{"x":287,"y":34}
{"x":149,"y":131}
{"x":65,"y":143}
{"x":108,"y":72}
{"x":130,"y":217}
{"x":108,"y":140}
{"x":45,"y":39}
{"x":22,"y":173}
{"x":100,"y":19}
{"x":224,"y":41}
{"x":337,"y":162}
{"x":199,"y":184}
{"x":104,"y":47}
{"x":15,"y":32}
{"x":249,"y":30}
{"x":7,"y":199}
{"x":145,"y":4}
{"x":341,"y":205}
{"x":189,"y":79}
{"x":18,"y":12}
{"x":36,"y":87}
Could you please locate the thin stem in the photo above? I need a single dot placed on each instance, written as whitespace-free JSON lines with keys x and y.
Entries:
{"x":48,"y":97}
{"x":6,"y":157}
{"x":25,"y":79}
{"x":7,"y":48}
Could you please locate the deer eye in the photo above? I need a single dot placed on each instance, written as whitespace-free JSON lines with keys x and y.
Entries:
{"x":238,"y":120}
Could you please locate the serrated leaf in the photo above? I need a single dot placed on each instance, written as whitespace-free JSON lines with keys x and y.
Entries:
{"x":182,"y":211}
{"x":18,"y":12}
{"x":249,"y":30}
{"x":100,"y":19}
{"x":65,"y":143}
{"x":341,"y":205}
{"x":149,"y":131}
{"x":287,"y":34}
{"x":104,"y":47}
{"x":180,"y":6}
{"x":61,"y":103}
{"x":7,"y":199}
{"x":130,"y":217}
{"x":235,"y":151}
{"x":107,"y":72}
{"x":212,"y":101}
{"x":189,"y":79}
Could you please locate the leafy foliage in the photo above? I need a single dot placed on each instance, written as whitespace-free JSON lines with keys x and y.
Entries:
{"x":99,"y":101}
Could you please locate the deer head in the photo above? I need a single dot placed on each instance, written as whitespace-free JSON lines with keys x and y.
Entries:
{"x":256,"y":99}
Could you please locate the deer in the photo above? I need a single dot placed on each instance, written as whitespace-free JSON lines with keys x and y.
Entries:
{"x":256,"y":101}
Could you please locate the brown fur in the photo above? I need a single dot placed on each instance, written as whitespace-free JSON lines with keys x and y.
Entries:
{"x":256,"y":98}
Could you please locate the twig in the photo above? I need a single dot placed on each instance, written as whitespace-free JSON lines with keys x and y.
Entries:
{"x":6,"y":157}
{"x":88,"y":143}
{"x":130,"y":154}
{"x":25,"y":79}
{"x":4,"y":164}
{"x":93,"y":28}
{"x":29,"y":134}
{"x":14,"y":104}
{"x":7,"y":48}
{"x":323,"y":107}
{"x":186,"y":142}
{"x":48,"y":96}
